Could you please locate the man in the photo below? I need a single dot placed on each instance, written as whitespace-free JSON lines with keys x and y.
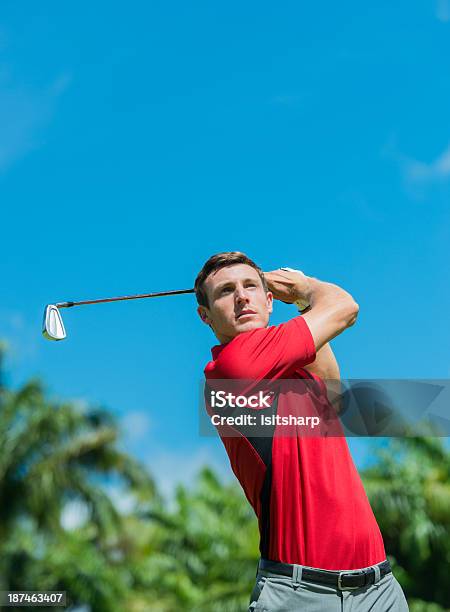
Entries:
{"x":321,"y":548}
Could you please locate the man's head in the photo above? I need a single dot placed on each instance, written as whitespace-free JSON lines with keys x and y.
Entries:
{"x":232,"y":295}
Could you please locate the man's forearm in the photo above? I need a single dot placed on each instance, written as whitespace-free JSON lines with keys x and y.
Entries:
{"x":316,"y":292}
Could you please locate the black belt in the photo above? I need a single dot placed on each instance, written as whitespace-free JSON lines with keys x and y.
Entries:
{"x":354,"y":579}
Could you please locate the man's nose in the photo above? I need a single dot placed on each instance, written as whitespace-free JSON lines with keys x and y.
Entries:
{"x":240,"y":295}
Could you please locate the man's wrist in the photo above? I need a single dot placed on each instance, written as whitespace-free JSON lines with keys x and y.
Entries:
{"x":302,"y":290}
{"x":302,"y":306}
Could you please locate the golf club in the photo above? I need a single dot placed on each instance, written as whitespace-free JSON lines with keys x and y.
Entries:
{"x":53,"y":326}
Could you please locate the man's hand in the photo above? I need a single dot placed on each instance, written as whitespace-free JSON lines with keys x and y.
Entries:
{"x":287,"y":285}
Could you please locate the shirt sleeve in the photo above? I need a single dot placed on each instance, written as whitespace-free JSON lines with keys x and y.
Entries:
{"x":271,"y":352}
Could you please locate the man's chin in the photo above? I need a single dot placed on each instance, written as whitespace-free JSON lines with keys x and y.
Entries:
{"x":239,"y":327}
{"x":245,"y":326}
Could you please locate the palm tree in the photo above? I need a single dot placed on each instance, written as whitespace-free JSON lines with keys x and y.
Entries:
{"x":409,"y":489}
{"x":53,"y":453}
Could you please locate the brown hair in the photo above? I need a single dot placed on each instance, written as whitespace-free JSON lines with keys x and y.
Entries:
{"x":218,"y":261}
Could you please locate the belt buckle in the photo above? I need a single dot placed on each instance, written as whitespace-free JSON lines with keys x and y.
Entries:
{"x":347,"y":588}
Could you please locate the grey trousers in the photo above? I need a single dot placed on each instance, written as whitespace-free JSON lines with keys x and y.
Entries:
{"x":275,"y":593}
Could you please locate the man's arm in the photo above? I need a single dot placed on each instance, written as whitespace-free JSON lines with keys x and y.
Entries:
{"x":331,"y":309}
{"x":326,"y":367}
{"x":325,"y":364}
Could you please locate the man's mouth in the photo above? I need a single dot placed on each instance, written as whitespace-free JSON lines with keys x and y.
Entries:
{"x":245,"y":313}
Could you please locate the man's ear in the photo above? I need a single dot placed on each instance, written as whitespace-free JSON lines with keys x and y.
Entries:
{"x":204,"y":315}
{"x":269,"y":296}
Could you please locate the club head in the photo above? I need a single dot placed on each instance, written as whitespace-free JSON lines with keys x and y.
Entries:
{"x":53,"y":326}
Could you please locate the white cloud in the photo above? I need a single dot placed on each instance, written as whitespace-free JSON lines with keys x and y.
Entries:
{"x":24,"y":112}
{"x":434,"y":171}
{"x":418,"y":175}
{"x":136,"y":424}
{"x":443,"y":10}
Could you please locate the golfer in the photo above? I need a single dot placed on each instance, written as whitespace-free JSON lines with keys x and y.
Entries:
{"x":321,"y":548}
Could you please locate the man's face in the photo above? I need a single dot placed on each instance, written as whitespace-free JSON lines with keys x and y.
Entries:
{"x":237,"y":302}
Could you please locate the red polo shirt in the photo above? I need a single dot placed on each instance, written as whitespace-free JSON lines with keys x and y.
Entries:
{"x":305,"y":490}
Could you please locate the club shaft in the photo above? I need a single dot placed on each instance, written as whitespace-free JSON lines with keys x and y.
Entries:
{"x":124,"y":297}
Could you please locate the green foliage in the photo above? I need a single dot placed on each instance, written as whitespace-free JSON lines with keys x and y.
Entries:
{"x":417,"y":605}
{"x":208,"y":547}
{"x":409,"y":490}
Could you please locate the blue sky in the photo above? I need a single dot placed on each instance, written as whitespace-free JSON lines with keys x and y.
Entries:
{"x":137,"y":139}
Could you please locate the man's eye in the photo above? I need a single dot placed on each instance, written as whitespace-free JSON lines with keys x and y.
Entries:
{"x":226,"y":290}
